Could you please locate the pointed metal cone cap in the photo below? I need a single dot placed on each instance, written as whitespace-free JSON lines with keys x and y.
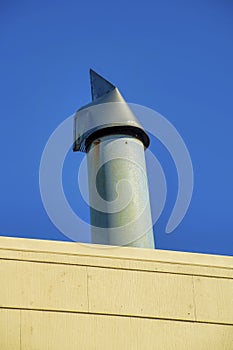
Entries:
{"x":99,"y":85}
{"x":107,"y":114}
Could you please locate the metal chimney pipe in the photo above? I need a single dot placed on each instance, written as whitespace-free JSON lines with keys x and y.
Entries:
{"x":115,"y":142}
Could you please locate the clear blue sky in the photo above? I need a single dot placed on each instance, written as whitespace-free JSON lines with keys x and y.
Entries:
{"x":174,"y":56}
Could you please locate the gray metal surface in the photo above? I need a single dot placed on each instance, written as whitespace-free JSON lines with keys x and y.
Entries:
{"x":110,"y":134}
{"x":108,"y":110}
{"x":99,"y":85}
{"x":118,"y":191}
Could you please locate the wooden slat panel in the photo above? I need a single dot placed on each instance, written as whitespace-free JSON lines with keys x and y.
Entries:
{"x":9,"y":329}
{"x":43,"y":286}
{"x":116,"y":257}
{"x":175,"y":335}
{"x":96,"y":250}
{"x":59,"y":331}
{"x":140,"y":293}
{"x":214,"y":299}
{"x":122,"y":292}
{"x":114,"y":262}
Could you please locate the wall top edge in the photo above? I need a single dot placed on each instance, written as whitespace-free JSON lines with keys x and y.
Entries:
{"x":113,"y":252}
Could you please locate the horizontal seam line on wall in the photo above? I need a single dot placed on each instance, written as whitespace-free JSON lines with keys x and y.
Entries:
{"x":118,"y":268}
{"x":115,"y":315}
{"x":117,"y":258}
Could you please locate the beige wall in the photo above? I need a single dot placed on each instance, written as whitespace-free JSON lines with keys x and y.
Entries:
{"x":57,"y":295}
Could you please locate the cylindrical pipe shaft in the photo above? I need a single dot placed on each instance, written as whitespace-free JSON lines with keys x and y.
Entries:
{"x":118,"y":191}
